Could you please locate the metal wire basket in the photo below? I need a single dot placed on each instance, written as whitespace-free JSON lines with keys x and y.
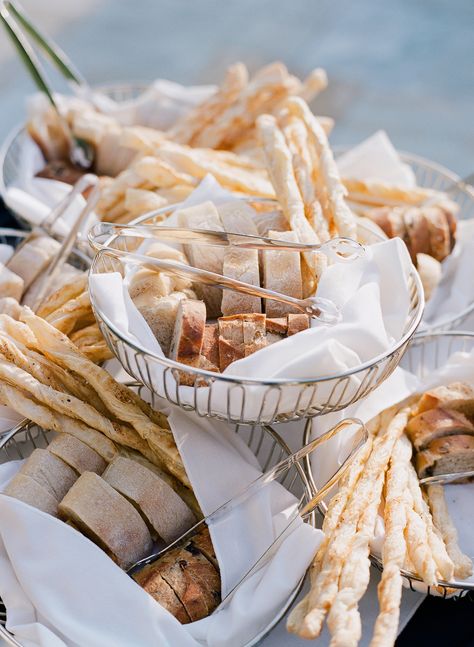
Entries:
{"x":248,"y":400}
{"x":267,"y":445}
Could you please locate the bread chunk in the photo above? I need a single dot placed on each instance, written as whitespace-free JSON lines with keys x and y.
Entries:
{"x":446,"y":455}
{"x":437,"y":423}
{"x":26,"y":489}
{"x":50,"y":472}
{"x":282,"y":273}
{"x":76,"y":454}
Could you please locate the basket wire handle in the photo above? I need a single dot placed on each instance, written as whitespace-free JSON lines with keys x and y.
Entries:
{"x":321,"y":309}
{"x":263,"y":480}
{"x":338,"y":249}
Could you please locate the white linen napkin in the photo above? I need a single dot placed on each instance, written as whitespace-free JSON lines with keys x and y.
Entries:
{"x":459,"y":367}
{"x":60,"y":589}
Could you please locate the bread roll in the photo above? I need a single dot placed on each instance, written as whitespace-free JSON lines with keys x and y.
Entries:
{"x":11,"y":284}
{"x":76,"y":454}
{"x":50,"y":472}
{"x":26,"y":489}
{"x":107,"y":519}
{"x":446,"y":455}
{"x":437,"y":423}
{"x":161,"y":508}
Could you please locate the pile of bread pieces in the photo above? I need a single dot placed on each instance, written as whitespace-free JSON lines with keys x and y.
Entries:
{"x":111,"y":470}
{"x":66,"y":304}
{"x":419,"y":534}
{"x":258,"y":137}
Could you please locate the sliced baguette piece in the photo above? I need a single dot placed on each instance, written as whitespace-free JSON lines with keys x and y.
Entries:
{"x":151,"y":581}
{"x":277,"y":325}
{"x":210,"y":344}
{"x":206,"y":257}
{"x":240,"y":336}
{"x":159,"y":505}
{"x":240,"y":264}
{"x":11,"y":284}
{"x":202,"y":541}
{"x":437,"y":423}
{"x":107,"y":518}
{"x":282,"y":273}
{"x":93,"y":439}
{"x":446,"y":455}
{"x":188,"y":334}
{"x":76,"y":454}
{"x":26,"y":489}
{"x":457,"y":396}
{"x":32,"y":257}
{"x":50,"y":472}
{"x":297,"y":323}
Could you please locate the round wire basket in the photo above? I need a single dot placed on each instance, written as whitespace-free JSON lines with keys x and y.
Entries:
{"x":239,"y":400}
{"x":266,"y":444}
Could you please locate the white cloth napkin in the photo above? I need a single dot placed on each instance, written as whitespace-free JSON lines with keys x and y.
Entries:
{"x":459,"y":367}
{"x":60,"y":589}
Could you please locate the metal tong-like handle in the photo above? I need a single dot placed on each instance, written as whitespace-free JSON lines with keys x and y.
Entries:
{"x":266,"y":478}
{"x":318,"y":308}
{"x":439,"y":479}
{"x":337,"y":249}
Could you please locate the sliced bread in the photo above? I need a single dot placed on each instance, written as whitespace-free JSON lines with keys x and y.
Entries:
{"x":26,"y":489}
{"x":282,"y":273}
{"x":446,"y":455}
{"x":50,"y":472}
{"x":437,"y":423}
{"x":151,"y":581}
{"x":76,"y":454}
{"x":457,"y":396}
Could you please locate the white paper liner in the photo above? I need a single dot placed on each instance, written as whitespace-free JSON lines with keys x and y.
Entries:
{"x":458,"y":368}
{"x":60,"y":589}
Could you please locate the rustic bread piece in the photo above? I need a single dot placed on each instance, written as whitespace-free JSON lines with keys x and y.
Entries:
{"x":202,"y":541}
{"x":206,"y":257}
{"x":277,"y":325}
{"x":240,"y":336}
{"x":439,"y":232}
{"x":446,"y":455}
{"x":93,"y":439}
{"x":11,"y":284}
{"x":107,"y":518}
{"x":429,"y":270}
{"x":282,"y":273}
{"x":160,"y":315}
{"x":240,"y":264}
{"x":188,"y":333}
{"x":457,"y":396}
{"x":437,"y":423}
{"x":10,"y":306}
{"x":417,"y":231}
{"x":32,"y":257}
{"x":159,"y":505}
{"x":194,"y":580}
{"x":270,"y":221}
{"x":210,"y":344}
{"x":151,"y":581}
{"x":28,"y":490}
{"x":297,"y":323}
{"x":76,"y":454}
{"x":50,"y":472}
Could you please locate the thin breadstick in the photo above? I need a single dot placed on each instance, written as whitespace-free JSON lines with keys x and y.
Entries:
{"x":160,"y":174}
{"x":280,"y":170}
{"x":65,"y":293}
{"x":443,"y":561}
{"x":443,"y":522}
{"x":394,"y":547}
{"x":330,"y":523}
{"x":73,"y":312}
{"x":380,"y":193}
{"x":419,"y":549}
{"x":336,"y":192}
{"x":141,"y":138}
{"x":325,"y":587}
{"x":197,"y":119}
{"x":314,"y":83}
{"x":139,"y":201}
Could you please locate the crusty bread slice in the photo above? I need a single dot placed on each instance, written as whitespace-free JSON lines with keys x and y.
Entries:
{"x":76,"y":454}
{"x":297,"y":323}
{"x":93,"y":439}
{"x":11,"y":284}
{"x":277,"y":325}
{"x":457,"y":396}
{"x":437,"y":423}
{"x":202,"y":541}
{"x":240,"y":336}
{"x":210,"y":345}
{"x":26,"y":489}
{"x":282,"y":273}
{"x":32,"y":257}
{"x":50,"y":472}
{"x":151,"y":581}
{"x":206,"y":257}
{"x":240,"y":264}
{"x":446,"y":456}
{"x":107,"y":518}
{"x":188,"y":334}
{"x":159,"y":505}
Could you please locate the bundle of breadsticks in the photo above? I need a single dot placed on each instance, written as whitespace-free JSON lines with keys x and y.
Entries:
{"x":45,"y":378}
{"x":419,"y":537}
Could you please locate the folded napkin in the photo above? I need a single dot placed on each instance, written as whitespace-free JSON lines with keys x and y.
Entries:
{"x":60,"y":589}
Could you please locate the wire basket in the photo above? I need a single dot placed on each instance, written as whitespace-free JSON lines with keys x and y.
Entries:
{"x":267,"y":445}
{"x":250,"y":401}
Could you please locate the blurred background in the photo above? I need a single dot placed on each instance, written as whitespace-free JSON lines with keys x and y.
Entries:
{"x":402,"y":65}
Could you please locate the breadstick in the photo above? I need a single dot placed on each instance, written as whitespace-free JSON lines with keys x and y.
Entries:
{"x":325,"y":587}
{"x":394,"y":547}
{"x":336,"y":192}
{"x":314,"y":83}
{"x":65,"y":293}
{"x":330,"y":523}
{"x":443,"y":522}
{"x":381,"y":193}
{"x":160,"y":174}
{"x":197,"y":119}
{"x":71,"y":313}
{"x":419,"y":549}
{"x":443,"y":561}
